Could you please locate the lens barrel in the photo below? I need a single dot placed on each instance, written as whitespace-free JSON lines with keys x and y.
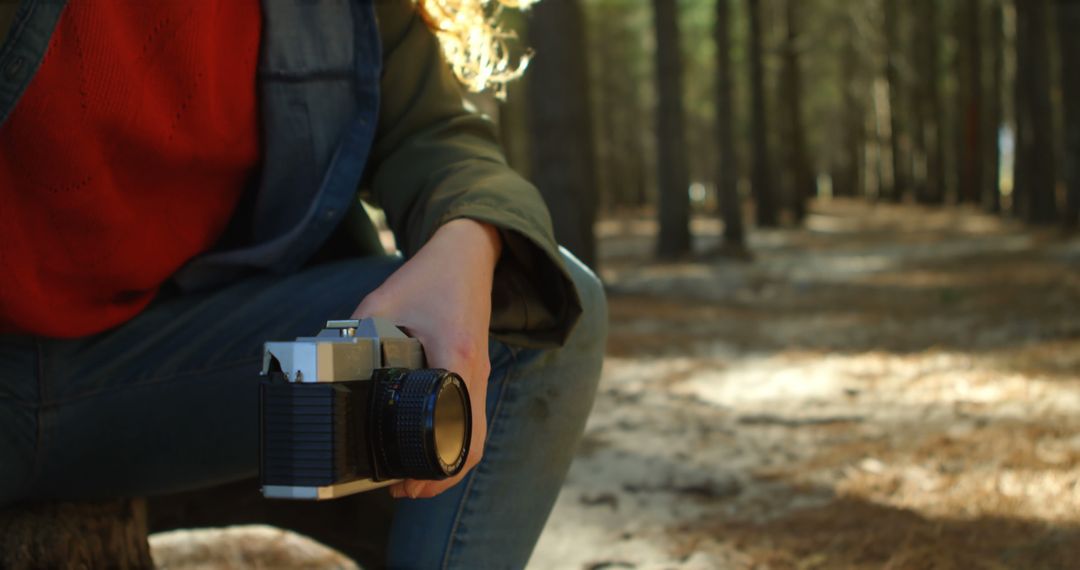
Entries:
{"x":420,"y":423}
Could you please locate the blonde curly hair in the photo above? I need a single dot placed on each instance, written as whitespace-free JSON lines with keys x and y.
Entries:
{"x":474,"y":44}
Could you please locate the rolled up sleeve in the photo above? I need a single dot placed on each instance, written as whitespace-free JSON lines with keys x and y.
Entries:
{"x":435,"y":159}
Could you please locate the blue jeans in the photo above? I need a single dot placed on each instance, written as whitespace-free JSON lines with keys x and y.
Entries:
{"x":168,"y":403}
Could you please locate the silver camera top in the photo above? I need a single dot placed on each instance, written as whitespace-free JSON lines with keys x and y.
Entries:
{"x":345,"y":350}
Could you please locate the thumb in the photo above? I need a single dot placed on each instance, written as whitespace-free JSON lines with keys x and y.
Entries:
{"x":374,"y":304}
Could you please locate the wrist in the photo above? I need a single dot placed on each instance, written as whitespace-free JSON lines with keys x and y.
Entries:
{"x":480,"y":239}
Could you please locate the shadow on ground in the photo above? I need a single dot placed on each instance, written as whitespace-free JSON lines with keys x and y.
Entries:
{"x":851,"y":533}
{"x":890,"y":387}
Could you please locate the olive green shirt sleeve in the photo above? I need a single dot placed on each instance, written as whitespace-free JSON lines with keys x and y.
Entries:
{"x":435,"y":160}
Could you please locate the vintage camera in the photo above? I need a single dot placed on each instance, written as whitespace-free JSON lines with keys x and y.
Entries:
{"x":353,"y":409}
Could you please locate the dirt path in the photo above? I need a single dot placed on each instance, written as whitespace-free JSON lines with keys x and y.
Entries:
{"x":890,"y":387}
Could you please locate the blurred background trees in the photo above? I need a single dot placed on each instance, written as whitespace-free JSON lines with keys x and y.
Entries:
{"x":671,"y":159}
{"x":560,"y":124}
{"x":677,"y":109}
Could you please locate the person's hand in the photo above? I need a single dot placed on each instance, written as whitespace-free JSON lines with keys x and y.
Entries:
{"x":442,"y":296}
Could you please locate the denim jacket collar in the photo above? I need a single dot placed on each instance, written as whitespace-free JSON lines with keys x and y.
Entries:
{"x":24,"y":48}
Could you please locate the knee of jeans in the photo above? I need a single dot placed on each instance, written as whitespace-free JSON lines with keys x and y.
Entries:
{"x":16,"y":455}
{"x":12,"y":484}
{"x":590,"y":332}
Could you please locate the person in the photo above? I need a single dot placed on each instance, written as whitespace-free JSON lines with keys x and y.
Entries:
{"x":181,"y":182}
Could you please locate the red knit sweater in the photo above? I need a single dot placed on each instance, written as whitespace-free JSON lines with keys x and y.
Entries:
{"x":124,"y":158}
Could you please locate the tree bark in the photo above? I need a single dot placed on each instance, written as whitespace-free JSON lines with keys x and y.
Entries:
{"x":765,"y":204}
{"x":892,"y":77}
{"x":1021,"y":160}
{"x":934,"y":122}
{"x":562,"y":163}
{"x":803,"y":184}
{"x":992,"y":148}
{"x":970,"y":107}
{"x":1068,"y":19}
{"x":727,"y":176}
{"x":1036,"y":137}
{"x":109,"y":534}
{"x":358,"y":525}
{"x":674,"y":178}
{"x":611,"y":172}
{"x":920,"y":103}
{"x":849,"y":181}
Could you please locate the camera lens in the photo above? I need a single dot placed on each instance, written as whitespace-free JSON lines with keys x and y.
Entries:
{"x":451,"y":431}
{"x":420,"y":423}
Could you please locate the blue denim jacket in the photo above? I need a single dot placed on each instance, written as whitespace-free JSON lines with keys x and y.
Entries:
{"x":318,"y":81}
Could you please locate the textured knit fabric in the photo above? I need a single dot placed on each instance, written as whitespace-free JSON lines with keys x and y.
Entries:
{"x":125,"y":158}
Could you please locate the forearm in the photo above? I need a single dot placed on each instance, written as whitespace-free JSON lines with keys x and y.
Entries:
{"x":481,"y":239}
{"x":435,"y":160}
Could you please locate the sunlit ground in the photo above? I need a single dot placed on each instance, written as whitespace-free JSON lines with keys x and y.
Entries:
{"x":891,"y":387}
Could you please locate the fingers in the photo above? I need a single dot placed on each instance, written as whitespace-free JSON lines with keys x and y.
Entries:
{"x":415,"y":489}
{"x":424,"y":489}
{"x":412,"y":489}
{"x":462,"y":351}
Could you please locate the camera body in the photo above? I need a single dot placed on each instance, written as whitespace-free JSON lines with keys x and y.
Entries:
{"x":353,"y":409}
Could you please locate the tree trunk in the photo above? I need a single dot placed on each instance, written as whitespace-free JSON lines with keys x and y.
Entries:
{"x":934,"y":121}
{"x":561,"y":155}
{"x":992,"y":148}
{"x":1068,"y":19}
{"x":849,"y":180}
{"x":610,"y":161}
{"x":727,"y":176}
{"x":514,"y":128}
{"x":357,"y":526}
{"x":970,"y":82}
{"x":765,"y":203}
{"x":672,"y":167}
{"x":1021,"y":161}
{"x":637,"y":156}
{"x":919,"y":110}
{"x":804,"y":184}
{"x":513,"y":111}
{"x":1036,"y":137}
{"x":892,"y":76}
{"x":108,"y":534}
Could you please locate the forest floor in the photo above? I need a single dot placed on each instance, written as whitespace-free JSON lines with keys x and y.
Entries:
{"x":888,"y":387}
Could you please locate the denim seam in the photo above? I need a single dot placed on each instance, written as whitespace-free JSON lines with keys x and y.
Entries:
{"x":511,"y":368}
{"x":39,"y":417}
{"x":153,"y":381}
